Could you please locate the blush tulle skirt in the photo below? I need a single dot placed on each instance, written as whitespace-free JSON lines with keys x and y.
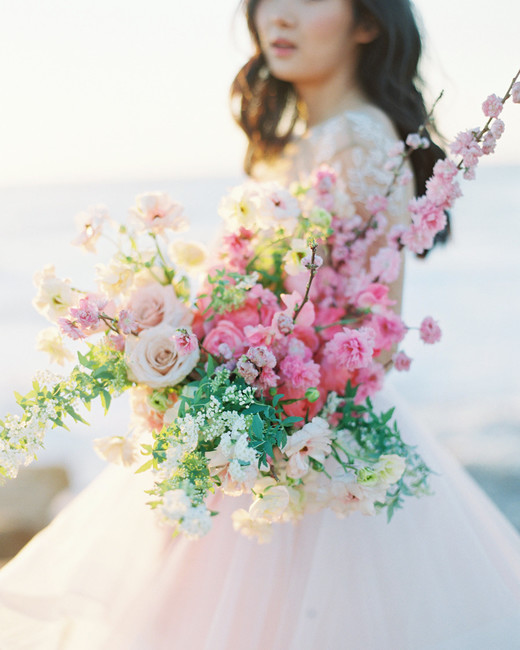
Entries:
{"x":444,"y":575}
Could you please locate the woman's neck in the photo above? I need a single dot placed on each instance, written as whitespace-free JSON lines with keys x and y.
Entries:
{"x":325,"y":100}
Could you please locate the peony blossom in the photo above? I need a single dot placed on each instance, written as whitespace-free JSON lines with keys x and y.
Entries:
{"x":429,"y":331}
{"x":154,"y":359}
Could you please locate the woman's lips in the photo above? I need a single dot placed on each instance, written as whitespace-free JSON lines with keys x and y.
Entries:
{"x":282,"y":48}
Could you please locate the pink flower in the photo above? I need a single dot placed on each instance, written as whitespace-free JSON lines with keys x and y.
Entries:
{"x":368,"y":381}
{"x":324,"y":179}
{"x":374,"y":295}
{"x":515,"y":92}
{"x":312,"y":440}
{"x":309,"y":264}
{"x":413,"y":141}
{"x":299,"y":373}
{"x":376,"y":203}
{"x":91,"y":225}
{"x":116,"y":341}
{"x":225,"y":332}
{"x":327,"y":316}
{"x":291,"y":301}
{"x":497,"y":128}
{"x":385,"y":265}
{"x":401,"y":361}
{"x":237,"y":249}
{"x":247,"y":370}
{"x":86,"y":314}
{"x":261,"y":356}
{"x":396,"y":149}
{"x":70,"y":329}
{"x":283,"y":323}
{"x":126,"y":321}
{"x":417,"y":239}
{"x":429,"y":331}
{"x":260,"y":335}
{"x":427,"y":216}
{"x":334,"y":376}
{"x":352,"y":349}
{"x":152,"y":304}
{"x":185,"y":341}
{"x":267,"y":379}
{"x":489,"y":143}
{"x":388,"y":330}
{"x":492,"y":106}
{"x":394,"y":235}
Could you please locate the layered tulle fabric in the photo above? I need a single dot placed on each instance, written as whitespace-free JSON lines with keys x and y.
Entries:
{"x":444,"y":574}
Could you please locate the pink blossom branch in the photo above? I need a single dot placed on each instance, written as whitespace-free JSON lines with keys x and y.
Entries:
{"x":313,"y":267}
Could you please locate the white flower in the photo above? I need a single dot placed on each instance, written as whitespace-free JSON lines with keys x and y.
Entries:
{"x":189,"y":255}
{"x":242,"y":207}
{"x":156,"y":212}
{"x":292,"y":258}
{"x":271,"y":502}
{"x":153,"y":358}
{"x":196,"y":522}
{"x":91,"y":224}
{"x":258,"y":529}
{"x":175,"y":504}
{"x":348,"y":496}
{"x":114,"y":279}
{"x":54,"y":296}
{"x":50,"y":341}
{"x":282,"y":205}
{"x":312,"y":440}
{"x":119,"y":450}
{"x":390,"y":468}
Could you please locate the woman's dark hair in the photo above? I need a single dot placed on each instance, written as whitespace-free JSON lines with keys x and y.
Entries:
{"x":266,"y":108}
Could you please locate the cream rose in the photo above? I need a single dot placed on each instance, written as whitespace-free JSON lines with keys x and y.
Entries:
{"x":154,"y":359}
{"x":153,"y":304}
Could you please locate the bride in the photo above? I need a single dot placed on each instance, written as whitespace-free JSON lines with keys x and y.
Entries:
{"x":444,"y":574}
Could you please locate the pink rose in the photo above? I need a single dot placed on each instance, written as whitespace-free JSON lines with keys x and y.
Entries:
{"x":225,"y":332}
{"x":153,"y":304}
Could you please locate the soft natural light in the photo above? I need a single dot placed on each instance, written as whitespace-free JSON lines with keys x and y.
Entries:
{"x":115,"y":89}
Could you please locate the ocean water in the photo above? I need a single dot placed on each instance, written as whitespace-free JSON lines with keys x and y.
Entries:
{"x":465,"y":389}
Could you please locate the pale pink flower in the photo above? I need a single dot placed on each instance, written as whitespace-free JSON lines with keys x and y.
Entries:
{"x":261,"y":335}
{"x":126,"y":321}
{"x":492,"y":106}
{"x":426,"y":215}
{"x":185,"y":341}
{"x":385,"y":265}
{"x":71,"y":329}
{"x":283,"y":322}
{"x":405,"y":177}
{"x":469,"y":174}
{"x":300,"y":373}
{"x":497,"y":128}
{"x":309,"y":264}
{"x":116,"y":341}
{"x":313,"y":440}
{"x":91,"y":224}
{"x":306,"y":315}
{"x":442,"y":190}
{"x":86,"y":314}
{"x":297,"y":348}
{"x":376,"y":203}
{"x":225,"y":351}
{"x":351,"y":349}
{"x":489,"y":143}
{"x":157,"y":212}
{"x":515,"y":92}
{"x":395,"y":233}
{"x":152,"y":304}
{"x":283,"y":205}
{"x":429,"y":331}
{"x":261,"y":356}
{"x":225,"y":332}
{"x":417,"y":239}
{"x":374,"y":295}
{"x":247,"y":370}
{"x":413,"y":141}
{"x":396,"y":149}
{"x":401,"y":361}
{"x":324,"y":179}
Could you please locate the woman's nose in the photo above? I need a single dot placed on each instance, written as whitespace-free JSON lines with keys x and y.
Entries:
{"x":282,"y":13}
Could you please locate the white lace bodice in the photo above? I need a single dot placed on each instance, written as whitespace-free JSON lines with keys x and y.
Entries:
{"x":354,"y":142}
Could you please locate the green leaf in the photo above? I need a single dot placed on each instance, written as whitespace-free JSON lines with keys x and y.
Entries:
{"x":291,"y":420}
{"x":145,"y":467}
{"x":257,"y":425}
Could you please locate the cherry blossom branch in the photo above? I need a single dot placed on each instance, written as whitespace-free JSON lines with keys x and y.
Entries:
{"x":313,"y":265}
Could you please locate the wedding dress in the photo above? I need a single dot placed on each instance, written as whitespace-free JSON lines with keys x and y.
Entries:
{"x":443,"y":575}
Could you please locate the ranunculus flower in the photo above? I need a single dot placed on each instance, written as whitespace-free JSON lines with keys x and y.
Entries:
{"x":154,"y":359}
{"x":153,"y":304}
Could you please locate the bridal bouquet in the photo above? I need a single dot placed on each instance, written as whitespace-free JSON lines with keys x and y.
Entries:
{"x":260,"y":381}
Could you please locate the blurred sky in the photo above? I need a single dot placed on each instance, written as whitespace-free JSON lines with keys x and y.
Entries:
{"x":125,"y":89}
